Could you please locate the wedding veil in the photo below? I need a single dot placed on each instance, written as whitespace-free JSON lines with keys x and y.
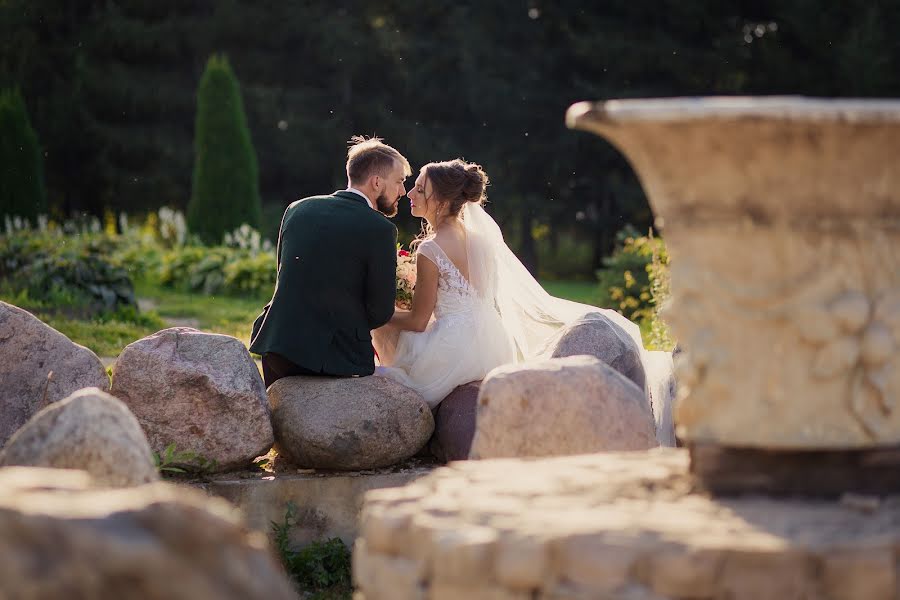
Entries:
{"x":529,"y":314}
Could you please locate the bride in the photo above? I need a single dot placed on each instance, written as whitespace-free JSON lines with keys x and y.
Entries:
{"x":475,"y":306}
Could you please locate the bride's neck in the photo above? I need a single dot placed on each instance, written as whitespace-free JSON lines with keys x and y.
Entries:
{"x":444,"y":223}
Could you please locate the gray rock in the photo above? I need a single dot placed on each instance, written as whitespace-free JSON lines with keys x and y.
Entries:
{"x":662,"y":387}
{"x":89,"y":430}
{"x":454,"y":423}
{"x":200,"y":391}
{"x":348,"y":423}
{"x":596,"y":335}
{"x":558,"y":406}
{"x":30,"y":351}
{"x":62,"y":538}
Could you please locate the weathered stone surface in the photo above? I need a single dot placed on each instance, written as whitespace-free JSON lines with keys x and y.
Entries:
{"x":618,"y":525}
{"x":559,"y":406}
{"x":200,"y":391}
{"x":662,"y":388}
{"x":791,"y":330}
{"x":347,"y":424}
{"x":29,"y":351}
{"x":454,"y":423}
{"x":596,"y":335}
{"x":89,"y":430}
{"x":327,"y":503}
{"x":151,"y":541}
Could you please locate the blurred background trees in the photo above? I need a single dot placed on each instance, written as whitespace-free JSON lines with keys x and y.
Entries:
{"x":225,"y":192}
{"x":21,"y":167}
{"x":111,"y":89}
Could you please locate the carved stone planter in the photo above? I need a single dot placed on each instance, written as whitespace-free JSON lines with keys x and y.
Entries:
{"x":782,"y":218}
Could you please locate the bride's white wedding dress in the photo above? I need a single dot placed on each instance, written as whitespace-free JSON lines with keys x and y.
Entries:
{"x":463,"y":341}
{"x":500,"y":315}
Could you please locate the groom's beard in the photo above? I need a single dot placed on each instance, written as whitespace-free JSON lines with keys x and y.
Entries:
{"x":385,"y":206}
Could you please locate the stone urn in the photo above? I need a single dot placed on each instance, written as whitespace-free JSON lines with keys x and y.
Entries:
{"x":782,"y":220}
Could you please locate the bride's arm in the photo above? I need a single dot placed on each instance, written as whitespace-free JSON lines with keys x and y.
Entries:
{"x":424,"y":298}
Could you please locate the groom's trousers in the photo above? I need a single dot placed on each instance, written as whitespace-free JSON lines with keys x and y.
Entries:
{"x":275,"y":366}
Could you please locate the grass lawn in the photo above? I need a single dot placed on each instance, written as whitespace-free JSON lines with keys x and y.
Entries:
{"x":586,"y":292}
{"x":162,"y":307}
{"x":217,"y":314}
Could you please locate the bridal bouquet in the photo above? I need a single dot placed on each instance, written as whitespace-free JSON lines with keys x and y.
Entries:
{"x":406,"y":278}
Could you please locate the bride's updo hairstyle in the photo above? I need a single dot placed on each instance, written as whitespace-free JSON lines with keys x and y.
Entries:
{"x":456,"y":182}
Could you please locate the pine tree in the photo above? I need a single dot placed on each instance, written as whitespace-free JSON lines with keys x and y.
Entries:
{"x":226,"y":179}
{"x":21,"y":168}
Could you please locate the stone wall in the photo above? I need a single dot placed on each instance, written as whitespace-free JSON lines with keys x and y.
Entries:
{"x":619,"y":525}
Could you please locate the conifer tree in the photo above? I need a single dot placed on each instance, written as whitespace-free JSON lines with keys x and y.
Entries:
{"x":21,"y":166}
{"x":225,"y":191}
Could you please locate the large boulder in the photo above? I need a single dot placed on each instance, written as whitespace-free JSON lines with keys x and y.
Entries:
{"x":39,"y":365}
{"x":454,"y":423}
{"x":597,"y":335}
{"x":349,"y":423}
{"x":62,"y":538}
{"x":199,"y":391}
{"x":89,"y":430}
{"x":557,"y":406}
{"x":662,"y":388}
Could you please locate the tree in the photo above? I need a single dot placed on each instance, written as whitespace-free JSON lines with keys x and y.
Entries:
{"x":21,"y":168}
{"x":225,"y":191}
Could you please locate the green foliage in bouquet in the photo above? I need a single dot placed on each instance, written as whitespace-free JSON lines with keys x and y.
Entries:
{"x":21,"y":165}
{"x":225,"y":191}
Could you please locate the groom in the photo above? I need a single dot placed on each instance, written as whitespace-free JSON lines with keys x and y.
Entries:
{"x":337,"y":263}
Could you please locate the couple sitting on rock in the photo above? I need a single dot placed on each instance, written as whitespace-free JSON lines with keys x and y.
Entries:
{"x":474,"y":306}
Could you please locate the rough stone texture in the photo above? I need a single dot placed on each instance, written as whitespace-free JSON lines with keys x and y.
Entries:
{"x":200,"y":391}
{"x":59,"y":538}
{"x":560,"y":406}
{"x":89,"y":430}
{"x":327,"y":503}
{"x":776,"y":209}
{"x":596,"y":335}
{"x":615,"y":525}
{"x":662,"y":389}
{"x":347,"y":424}
{"x":454,"y":423}
{"x":29,"y":351}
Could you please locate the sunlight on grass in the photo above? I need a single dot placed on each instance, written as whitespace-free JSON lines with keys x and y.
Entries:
{"x":586,"y":292}
{"x":215,"y":314}
{"x":109,"y":334}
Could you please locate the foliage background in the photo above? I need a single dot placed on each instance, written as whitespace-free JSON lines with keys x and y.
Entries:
{"x":111,"y":90}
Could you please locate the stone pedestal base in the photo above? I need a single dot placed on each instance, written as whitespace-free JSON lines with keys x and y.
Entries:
{"x":622,"y":525}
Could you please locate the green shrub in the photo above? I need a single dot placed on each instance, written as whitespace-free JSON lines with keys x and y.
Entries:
{"x":21,"y":165}
{"x":225,"y":191}
{"x":219,"y":269}
{"x":625,"y":279}
{"x":251,"y":274}
{"x":658,"y":270}
{"x":65,"y":271}
{"x":320,"y":567}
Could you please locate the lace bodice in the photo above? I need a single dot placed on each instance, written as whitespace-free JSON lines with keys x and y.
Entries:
{"x":455,"y":294}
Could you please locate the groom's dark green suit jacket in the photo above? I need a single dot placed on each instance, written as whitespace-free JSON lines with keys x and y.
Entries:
{"x":337,"y":264}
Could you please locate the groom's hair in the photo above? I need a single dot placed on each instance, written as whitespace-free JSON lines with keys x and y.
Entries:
{"x":368,"y":157}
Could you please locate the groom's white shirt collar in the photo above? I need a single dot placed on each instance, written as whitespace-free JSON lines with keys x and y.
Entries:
{"x":356,"y":191}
